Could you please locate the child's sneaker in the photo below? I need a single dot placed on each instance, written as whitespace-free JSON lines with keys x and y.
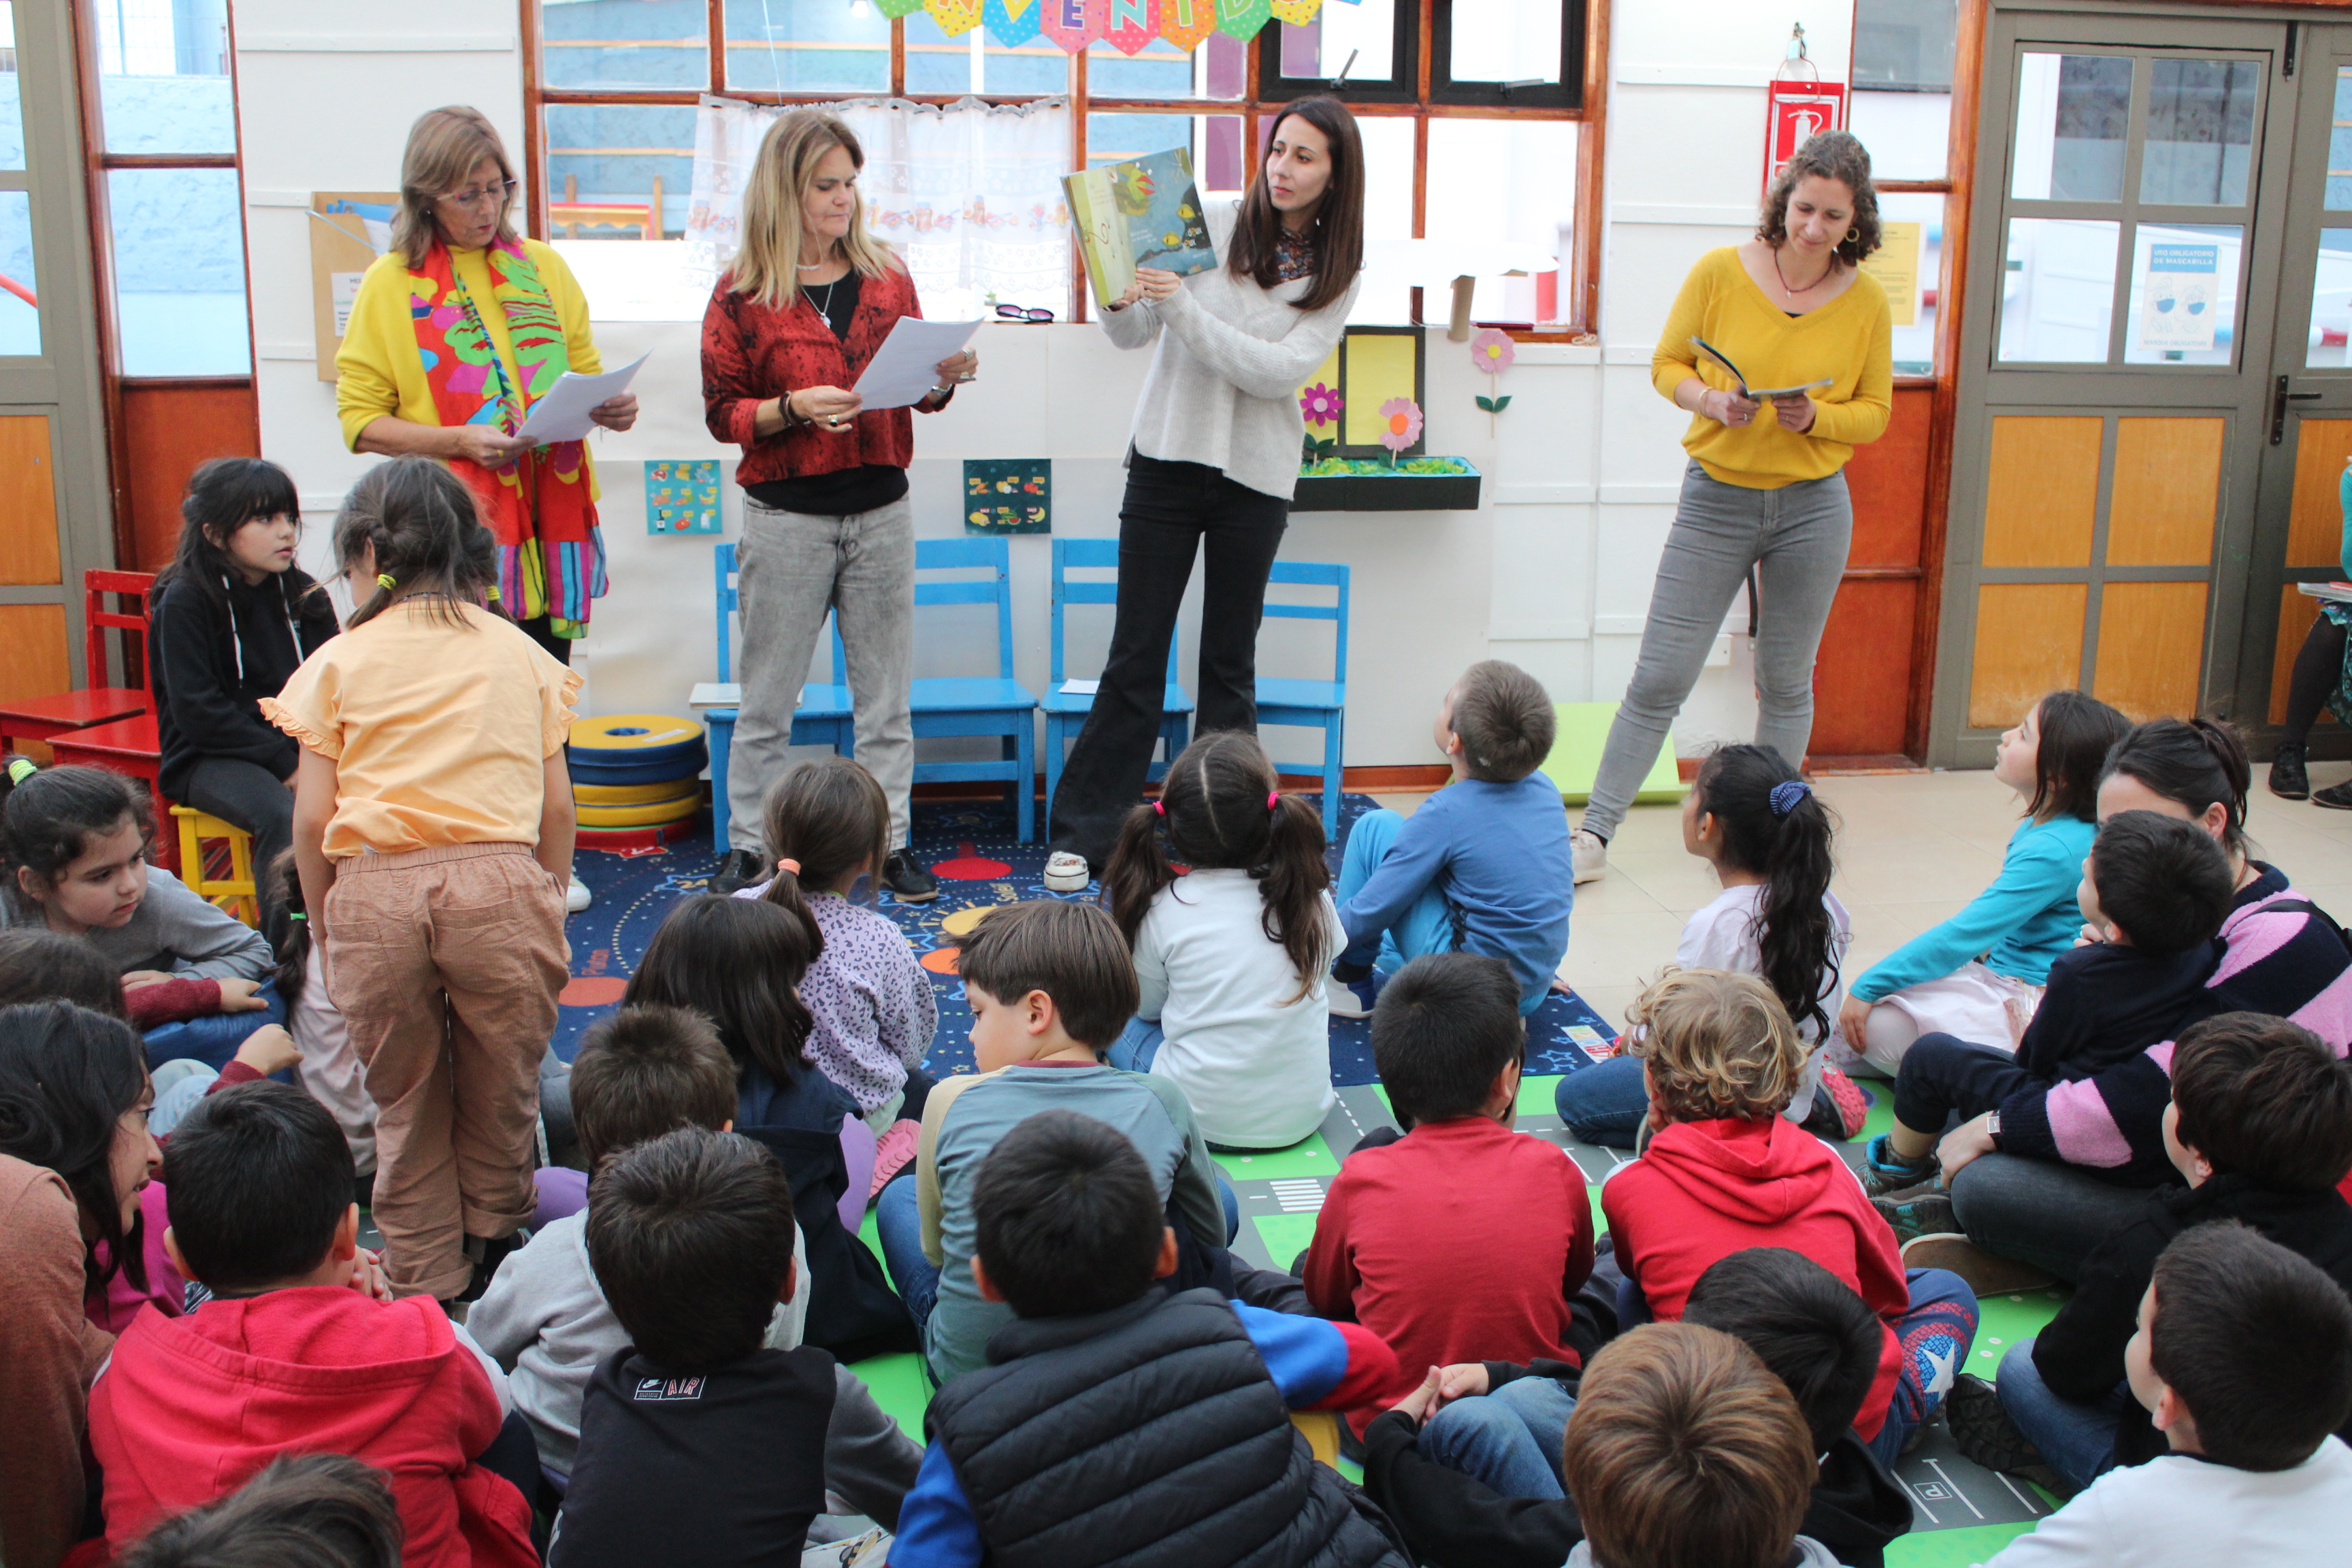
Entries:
{"x":1840,"y":1106}
{"x":1925,"y":1211}
{"x":1353,"y":998}
{"x":1889,"y":1173}
{"x":1987,"y":1273}
{"x":1066,"y":873}
{"x":1985,"y":1435}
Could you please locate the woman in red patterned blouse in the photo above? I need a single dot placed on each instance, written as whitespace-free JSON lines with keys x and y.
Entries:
{"x":811,"y":296}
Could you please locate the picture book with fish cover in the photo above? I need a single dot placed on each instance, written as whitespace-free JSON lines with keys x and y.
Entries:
{"x":1145,"y":212}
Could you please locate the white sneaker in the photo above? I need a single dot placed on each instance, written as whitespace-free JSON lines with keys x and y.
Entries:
{"x":577,"y":897}
{"x":1066,"y":873}
{"x":1592,"y":856}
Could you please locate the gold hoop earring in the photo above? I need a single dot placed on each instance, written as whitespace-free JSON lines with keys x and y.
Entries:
{"x":1853,"y":235}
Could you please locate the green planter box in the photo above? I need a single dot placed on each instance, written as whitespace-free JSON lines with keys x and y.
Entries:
{"x":1367,"y":484}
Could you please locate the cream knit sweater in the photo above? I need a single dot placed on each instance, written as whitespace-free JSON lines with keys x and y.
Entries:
{"x":1222,"y":389}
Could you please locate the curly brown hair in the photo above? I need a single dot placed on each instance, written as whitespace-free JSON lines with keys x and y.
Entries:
{"x":1719,"y":1046}
{"x":1834,"y":155}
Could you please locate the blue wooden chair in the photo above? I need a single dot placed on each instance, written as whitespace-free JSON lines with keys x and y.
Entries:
{"x":822,"y":718}
{"x":1312,"y":704}
{"x":1066,"y":713}
{"x":969,"y":705}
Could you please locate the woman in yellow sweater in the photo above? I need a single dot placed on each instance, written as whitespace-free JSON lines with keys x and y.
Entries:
{"x":1765,"y":489}
{"x":455,"y":333}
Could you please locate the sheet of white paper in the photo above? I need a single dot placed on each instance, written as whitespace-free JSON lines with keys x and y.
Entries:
{"x":561,"y":413}
{"x":715,"y":694}
{"x":907,"y":364}
{"x":1081,"y":688}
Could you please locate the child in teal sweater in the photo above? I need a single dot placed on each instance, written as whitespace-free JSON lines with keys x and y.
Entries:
{"x":1979,"y":976}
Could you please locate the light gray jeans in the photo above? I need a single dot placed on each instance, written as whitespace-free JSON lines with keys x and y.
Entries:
{"x":792,"y":567}
{"x":1796,"y":538}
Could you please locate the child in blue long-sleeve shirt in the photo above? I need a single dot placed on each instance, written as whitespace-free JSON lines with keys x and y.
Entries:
{"x":1113,"y":1416}
{"x":1979,"y":976}
{"x":1484,"y":865}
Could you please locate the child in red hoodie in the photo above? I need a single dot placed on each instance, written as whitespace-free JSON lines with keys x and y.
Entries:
{"x":297,"y":1350}
{"x":1723,"y":1172}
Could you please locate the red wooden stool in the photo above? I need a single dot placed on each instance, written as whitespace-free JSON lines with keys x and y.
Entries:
{"x":45,"y":718}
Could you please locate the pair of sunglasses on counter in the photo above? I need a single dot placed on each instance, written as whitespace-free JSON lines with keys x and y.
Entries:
{"x":1016,"y":314}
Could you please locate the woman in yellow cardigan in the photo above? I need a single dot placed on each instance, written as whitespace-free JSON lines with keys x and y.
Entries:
{"x":454,"y":332}
{"x":1765,"y":489}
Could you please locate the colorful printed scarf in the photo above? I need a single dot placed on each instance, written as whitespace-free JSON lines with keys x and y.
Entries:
{"x":550,"y":554}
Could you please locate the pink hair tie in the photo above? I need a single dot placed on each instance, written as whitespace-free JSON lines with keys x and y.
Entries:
{"x":789,"y":864}
{"x":1274,"y":800}
{"x":1157,"y":807}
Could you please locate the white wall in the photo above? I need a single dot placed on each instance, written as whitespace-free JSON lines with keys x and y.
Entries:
{"x":1553,"y":571}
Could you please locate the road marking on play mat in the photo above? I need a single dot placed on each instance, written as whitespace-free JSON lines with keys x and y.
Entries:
{"x":1298,"y":1195}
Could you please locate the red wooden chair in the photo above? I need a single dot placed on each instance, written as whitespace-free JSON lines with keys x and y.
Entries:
{"x":45,"y":718}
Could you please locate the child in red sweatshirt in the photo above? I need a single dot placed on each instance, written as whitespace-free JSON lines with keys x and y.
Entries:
{"x":297,"y":1350}
{"x":1723,"y":1172}
{"x":1462,"y":1240}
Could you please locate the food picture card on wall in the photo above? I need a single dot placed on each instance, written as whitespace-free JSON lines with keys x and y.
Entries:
{"x":682,"y":497}
{"x":1008,"y":495}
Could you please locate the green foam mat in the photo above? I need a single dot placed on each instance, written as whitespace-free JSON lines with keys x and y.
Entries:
{"x":1575,"y":751}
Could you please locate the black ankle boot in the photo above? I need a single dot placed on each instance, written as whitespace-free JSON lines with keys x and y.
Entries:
{"x":2288,"y":778}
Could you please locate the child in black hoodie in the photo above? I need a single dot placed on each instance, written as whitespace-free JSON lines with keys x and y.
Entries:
{"x":2153,"y":893}
{"x":2261,"y":1129}
{"x":1479,"y":1486}
{"x":228,"y":620}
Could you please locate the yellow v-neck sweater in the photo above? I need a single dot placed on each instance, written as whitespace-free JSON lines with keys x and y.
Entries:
{"x":1849,"y":340}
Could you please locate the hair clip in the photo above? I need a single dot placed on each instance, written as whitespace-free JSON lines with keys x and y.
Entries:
{"x":1274,"y":800}
{"x":1786,"y":794}
{"x":387,"y":580}
{"x":22,"y":768}
{"x":291,"y":915}
{"x":789,"y":864}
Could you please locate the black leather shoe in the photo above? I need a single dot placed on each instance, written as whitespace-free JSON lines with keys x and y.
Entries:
{"x":2289,"y":780}
{"x":738,"y":868}
{"x":907,"y":880}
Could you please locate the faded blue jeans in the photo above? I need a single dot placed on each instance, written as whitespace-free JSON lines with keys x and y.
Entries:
{"x":2077,"y":1440}
{"x":1795,"y":538}
{"x":1510,"y":1438}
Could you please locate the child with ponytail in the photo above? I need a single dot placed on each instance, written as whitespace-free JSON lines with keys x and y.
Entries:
{"x":1232,"y":953}
{"x":1766,"y":838}
{"x":432,"y":828}
{"x":871,"y":1011}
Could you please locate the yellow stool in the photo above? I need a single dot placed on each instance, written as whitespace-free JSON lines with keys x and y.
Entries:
{"x":236,"y":893}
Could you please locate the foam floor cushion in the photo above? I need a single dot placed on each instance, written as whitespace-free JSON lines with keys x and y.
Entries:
{"x":592,"y":768}
{"x":627,"y":795}
{"x":1575,"y":760}
{"x":676,"y":808}
{"x":634,"y":737}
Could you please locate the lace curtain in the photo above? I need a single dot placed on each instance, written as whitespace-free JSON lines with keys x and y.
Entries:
{"x":970,"y":195}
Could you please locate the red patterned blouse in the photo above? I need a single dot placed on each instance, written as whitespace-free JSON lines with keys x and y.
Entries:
{"x":751,"y":352}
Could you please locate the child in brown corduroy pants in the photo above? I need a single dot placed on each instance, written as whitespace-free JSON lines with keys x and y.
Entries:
{"x":433,"y":825}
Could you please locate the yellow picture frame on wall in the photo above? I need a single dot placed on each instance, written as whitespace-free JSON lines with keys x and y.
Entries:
{"x":1370,"y":367}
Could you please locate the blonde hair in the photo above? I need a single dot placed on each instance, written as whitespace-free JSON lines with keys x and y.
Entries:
{"x":444,"y":145}
{"x":766,"y":268}
{"x":1718,"y":1045}
{"x":1685,"y":1449}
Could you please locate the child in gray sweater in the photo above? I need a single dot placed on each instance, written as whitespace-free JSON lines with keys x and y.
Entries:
{"x":640,"y":1073}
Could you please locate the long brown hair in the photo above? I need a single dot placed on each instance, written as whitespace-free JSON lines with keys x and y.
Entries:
{"x":428,"y":536}
{"x":738,"y":962}
{"x":1834,"y":155}
{"x":1337,"y":232}
{"x":1221,"y":811}
{"x":766,"y":266}
{"x":444,"y":145}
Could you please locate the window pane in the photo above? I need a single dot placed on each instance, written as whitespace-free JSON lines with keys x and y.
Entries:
{"x":1909,"y":133}
{"x":1319,"y":49}
{"x":2331,"y":302}
{"x":1914,"y":342}
{"x":1218,"y":68}
{"x":2058,"y":293}
{"x":1506,"y":40}
{"x":12,"y":119}
{"x":2200,"y":131}
{"x":179,"y":271}
{"x":1385,"y":297}
{"x":613,"y":172}
{"x":1904,"y":46}
{"x":624,"y":43}
{"x":20,"y":323}
{"x":163,"y":79}
{"x":807,"y":46}
{"x":2339,"y":144}
{"x":2183,"y":307}
{"x":2071,"y":114}
{"x":1504,"y":182}
{"x":977,"y":62}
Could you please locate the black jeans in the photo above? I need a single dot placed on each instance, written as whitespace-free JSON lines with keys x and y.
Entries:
{"x":1942,"y":1076}
{"x":247,"y":795}
{"x":557,"y":649}
{"x":1170,"y":510}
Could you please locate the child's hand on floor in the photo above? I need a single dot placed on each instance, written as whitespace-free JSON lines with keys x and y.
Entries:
{"x":142,"y":977}
{"x":269,"y":1050}
{"x":237,"y":996}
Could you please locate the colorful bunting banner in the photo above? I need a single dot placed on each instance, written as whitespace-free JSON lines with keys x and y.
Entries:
{"x":896,"y":8}
{"x":1298,"y":12}
{"x":1185,"y":24}
{"x":1011,"y":23}
{"x":1072,"y":24}
{"x":955,"y":17}
{"x":1242,"y":18}
{"x":1133,"y":24}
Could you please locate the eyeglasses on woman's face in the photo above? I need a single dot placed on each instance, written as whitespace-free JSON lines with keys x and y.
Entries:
{"x":499,"y":191}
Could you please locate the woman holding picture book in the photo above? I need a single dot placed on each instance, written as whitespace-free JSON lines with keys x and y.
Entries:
{"x":1780,"y":351}
{"x":809,"y":301}
{"x":1213,"y":458}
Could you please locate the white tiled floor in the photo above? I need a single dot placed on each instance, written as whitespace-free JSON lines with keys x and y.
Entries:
{"x":1911,"y":849}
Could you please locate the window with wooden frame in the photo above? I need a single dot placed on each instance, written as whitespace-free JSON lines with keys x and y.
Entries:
{"x":1901,"y":108}
{"x":1481,"y":120}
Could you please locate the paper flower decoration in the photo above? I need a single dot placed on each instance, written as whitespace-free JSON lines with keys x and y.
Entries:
{"x":1320,"y":404}
{"x":1400,"y":423}
{"x":1493,"y":350}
